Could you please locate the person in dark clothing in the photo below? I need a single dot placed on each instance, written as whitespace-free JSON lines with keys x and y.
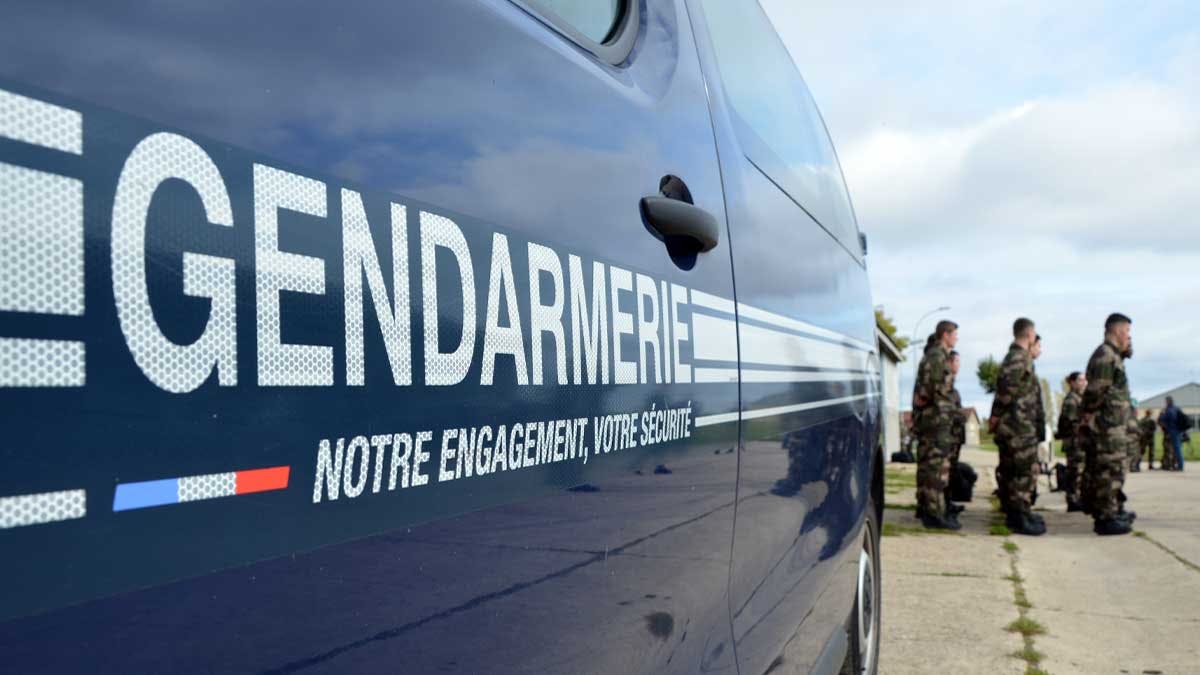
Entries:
{"x":1174,"y":424}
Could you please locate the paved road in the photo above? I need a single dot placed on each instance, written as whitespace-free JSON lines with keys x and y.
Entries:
{"x":1108,"y":604}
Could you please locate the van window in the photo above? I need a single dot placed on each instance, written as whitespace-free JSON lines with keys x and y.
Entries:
{"x":775,"y":117}
{"x":594,"y":19}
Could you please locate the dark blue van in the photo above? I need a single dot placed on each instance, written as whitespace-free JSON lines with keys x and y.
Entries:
{"x":468,"y":336}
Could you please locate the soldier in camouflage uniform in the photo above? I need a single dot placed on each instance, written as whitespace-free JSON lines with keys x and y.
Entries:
{"x":1103,"y":428}
{"x":1068,"y":422}
{"x":933,"y":406}
{"x":1013,"y":422}
{"x":1134,"y":433}
{"x":1039,"y":423}
{"x":958,"y":431}
{"x":1146,"y":429}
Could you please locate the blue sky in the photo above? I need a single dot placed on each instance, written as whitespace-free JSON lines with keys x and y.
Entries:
{"x":1021,"y":158}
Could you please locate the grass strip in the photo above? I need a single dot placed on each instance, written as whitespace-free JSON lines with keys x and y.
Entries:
{"x":1023,"y":624}
{"x":894,"y":530}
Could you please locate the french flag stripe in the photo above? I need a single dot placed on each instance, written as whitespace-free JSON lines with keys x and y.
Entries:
{"x":146,"y":494}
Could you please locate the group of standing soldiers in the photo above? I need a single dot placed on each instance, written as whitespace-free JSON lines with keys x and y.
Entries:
{"x":1097,"y":427}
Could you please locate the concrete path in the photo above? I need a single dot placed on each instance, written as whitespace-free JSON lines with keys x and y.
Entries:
{"x":1108,"y":604}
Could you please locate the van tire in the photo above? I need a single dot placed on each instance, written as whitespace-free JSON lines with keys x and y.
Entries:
{"x":862,"y":626}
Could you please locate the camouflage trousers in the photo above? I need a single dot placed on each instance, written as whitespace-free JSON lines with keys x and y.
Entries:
{"x":1015,"y":477}
{"x":1107,"y":457}
{"x":933,"y":470}
{"x":1146,"y":448}
{"x":1076,"y":463}
{"x":1167,"y":461}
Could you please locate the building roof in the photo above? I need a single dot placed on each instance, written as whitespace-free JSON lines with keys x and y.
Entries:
{"x":970,"y":412}
{"x":887,"y":346}
{"x":1186,"y":396}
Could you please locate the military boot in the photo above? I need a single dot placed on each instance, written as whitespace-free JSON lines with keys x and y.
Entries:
{"x":952,"y":516}
{"x":936,"y":522}
{"x":1023,"y":523}
{"x":1111,"y":526}
{"x":1073,"y":506}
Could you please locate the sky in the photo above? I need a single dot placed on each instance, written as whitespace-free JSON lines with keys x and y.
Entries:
{"x":1020,"y":158}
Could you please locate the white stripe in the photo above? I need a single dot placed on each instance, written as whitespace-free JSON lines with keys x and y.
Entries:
{"x":710,"y":375}
{"x":721,"y":418}
{"x":702,"y":299}
{"x":207,"y":486}
{"x":39,"y":123}
{"x":763,"y":315}
{"x":775,"y":348}
{"x":702,"y":375}
{"x":44,"y":507}
{"x":750,"y":375}
{"x":800,"y":407}
{"x":713,"y":338}
{"x":41,"y":363}
{"x":719,"y":304}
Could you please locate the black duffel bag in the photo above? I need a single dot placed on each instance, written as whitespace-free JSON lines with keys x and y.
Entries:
{"x":962,"y":482}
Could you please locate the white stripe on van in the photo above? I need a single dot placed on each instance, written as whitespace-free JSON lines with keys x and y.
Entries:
{"x":722,"y":418}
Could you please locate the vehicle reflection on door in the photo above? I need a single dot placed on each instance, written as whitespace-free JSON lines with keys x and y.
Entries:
{"x":626,"y":574}
{"x":808,"y":484}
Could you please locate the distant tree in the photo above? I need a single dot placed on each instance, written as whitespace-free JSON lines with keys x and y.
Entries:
{"x":988,"y":372}
{"x":889,"y":328}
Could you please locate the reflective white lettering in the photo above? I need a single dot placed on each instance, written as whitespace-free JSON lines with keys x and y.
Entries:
{"x":648,"y":342}
{"x":499,"y":339}
{"x":679,"y":330}
{"x":546,"y":318}
{"x":279,"y":364}
{"x":359,"y":258}
{"x":625,"y":372}
{"x":446,"y":368}
{"x":173,"y":367}
{"x":589,"y":336}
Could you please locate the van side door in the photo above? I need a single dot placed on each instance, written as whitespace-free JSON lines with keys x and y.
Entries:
{"x":338,"y":337}
{"x":805,"y":330}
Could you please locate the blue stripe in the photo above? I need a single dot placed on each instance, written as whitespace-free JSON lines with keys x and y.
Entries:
{"x":146,"y":493}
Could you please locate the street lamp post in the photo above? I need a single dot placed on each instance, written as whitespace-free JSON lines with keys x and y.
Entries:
{"x":915,"y":342}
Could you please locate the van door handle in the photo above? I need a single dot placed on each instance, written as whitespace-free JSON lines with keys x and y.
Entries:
{"x":676,"y":218}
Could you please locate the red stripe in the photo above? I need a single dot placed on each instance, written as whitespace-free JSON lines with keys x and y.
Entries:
{"x":262,"y":480}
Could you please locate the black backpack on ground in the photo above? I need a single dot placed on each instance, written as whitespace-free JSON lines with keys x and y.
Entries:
{"x":962,"y":482}
{"x":1060,"y":477}
{"x":903,"y":457}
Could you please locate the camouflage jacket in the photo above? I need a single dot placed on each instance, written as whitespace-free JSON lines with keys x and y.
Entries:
{"x":958,"y":421}
{"x":1018,"y":401}
{"x":934,"y":391}
{"x":1068,"y":417}
{"x":1146,"y":428}
{"x":1106,"y":399}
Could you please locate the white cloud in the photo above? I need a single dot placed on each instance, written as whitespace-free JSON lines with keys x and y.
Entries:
{"x":1036,"y":161}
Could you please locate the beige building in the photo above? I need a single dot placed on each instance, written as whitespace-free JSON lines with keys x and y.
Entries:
{"x":890,"y":357}
{"x":1187,"y":399}
{"x":972,"y":425}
